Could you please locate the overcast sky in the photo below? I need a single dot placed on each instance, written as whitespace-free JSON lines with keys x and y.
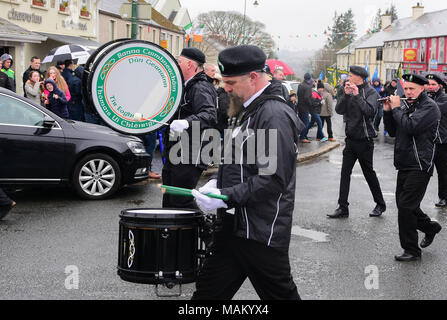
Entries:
{"x":287,"y":19}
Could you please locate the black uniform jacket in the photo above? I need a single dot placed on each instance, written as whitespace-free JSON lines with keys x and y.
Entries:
{"x":304,"y":97}
{"x":263,"y":200}
{"x":441,"y":99}
{"x":416,"y":130}
{"x":199,"y":106}
{"x":359,"y":112}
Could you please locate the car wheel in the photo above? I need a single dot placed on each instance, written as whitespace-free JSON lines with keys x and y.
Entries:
{"x":96,"y":177}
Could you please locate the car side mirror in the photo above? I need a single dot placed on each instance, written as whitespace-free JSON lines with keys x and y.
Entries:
{"x":48,"y":122}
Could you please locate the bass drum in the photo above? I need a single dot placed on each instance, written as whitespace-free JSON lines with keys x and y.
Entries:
{"x":134,"y":86}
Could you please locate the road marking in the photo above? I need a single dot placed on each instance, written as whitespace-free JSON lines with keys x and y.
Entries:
{"x":311,"y":234}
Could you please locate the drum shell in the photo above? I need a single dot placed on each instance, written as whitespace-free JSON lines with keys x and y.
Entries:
{"x":162,"y":243}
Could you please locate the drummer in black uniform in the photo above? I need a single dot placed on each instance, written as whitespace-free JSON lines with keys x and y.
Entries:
{"x":198,"y":106}
{"x":256,"y":221}
{"x":436,"y":92}
{"x":415,"y":124}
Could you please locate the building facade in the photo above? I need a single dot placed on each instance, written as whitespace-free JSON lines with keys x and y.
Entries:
{"x":47,"y":24}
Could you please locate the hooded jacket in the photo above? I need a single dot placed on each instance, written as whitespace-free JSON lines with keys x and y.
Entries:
{"x":198,"y":105}
{"x":59,"y":105}
{"x":359,"y":113}
{"x":416,"y":130}
{"x":263,"y":204}
{"x":441,"y":99}
{"x":9,"y":72}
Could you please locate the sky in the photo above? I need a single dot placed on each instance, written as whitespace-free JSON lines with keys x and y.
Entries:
{"x":299,"y":25}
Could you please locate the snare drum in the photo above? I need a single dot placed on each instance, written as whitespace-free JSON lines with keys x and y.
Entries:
{"x":159,"y":246}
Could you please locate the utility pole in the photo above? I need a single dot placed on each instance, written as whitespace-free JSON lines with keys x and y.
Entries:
{"x":134,"y":19}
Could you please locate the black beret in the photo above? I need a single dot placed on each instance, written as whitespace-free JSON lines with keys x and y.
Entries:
{"x":237,"y":61}
{"x":415,"y":78}
{"x":359,"y":71}
{"x":194,"y":54}
{"x":437,"y":77}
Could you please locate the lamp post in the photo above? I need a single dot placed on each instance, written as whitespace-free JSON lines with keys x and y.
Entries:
{"x":134,"y":19}
{"x":256,"y":3}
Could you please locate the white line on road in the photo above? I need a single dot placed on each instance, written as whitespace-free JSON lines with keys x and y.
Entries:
{"x":311,"y":234}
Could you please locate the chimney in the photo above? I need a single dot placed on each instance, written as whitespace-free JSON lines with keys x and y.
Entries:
{"x":386,"y":21}
{"x":418,"y":11}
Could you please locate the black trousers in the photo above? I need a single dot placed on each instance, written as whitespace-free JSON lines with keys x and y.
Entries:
{"x":441,"y":168}
{"x":4,"y":199}
{"x":182,"y":176}
{"x":410,"y":190}
{"x":234,"y":259}
{"x":328,"y":120}
{"x":363,"y":152}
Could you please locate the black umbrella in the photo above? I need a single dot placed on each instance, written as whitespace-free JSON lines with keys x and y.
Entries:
{"x":68,"y":52}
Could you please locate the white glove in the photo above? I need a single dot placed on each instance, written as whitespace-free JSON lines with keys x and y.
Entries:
{"x":207,"y":204}
{"x":179,"y":125}
{"x":212,"y":184}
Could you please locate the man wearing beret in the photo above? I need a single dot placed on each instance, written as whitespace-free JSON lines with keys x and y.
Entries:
{"x":254,"y":225}
{"x":198,"y":107}
{"x":415,"y":124}
{"x":358,"y":105}
{"x":436,"y":92}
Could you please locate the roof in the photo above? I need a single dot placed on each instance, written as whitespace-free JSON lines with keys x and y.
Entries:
{"x":12,"y":32}
{"x":158,"y":20}
{"x":430,"y":24}
{"x":72,"y":40}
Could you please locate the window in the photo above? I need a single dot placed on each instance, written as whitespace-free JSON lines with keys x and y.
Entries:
{"x":16,"y":112}
{"x":170,"y":44}
{"x":441,"y":50}
{"x":177,"y":45}
{"x":407,"y":44}
{"x":434,"y":49}
{"x":415,"y":44}
{"x":128,"y":31}
{"x":85,"y":8}
{"x":64,"y":5}
{"x":154,"y":36}
{"x":112,"y":29}
{"x":140,"y":32}
{"x":422,"y":53}
{"x":40,"y":3}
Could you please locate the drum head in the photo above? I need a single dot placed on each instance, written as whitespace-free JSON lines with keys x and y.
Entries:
{"x":159,"y":214}
{"x":132,"y":77}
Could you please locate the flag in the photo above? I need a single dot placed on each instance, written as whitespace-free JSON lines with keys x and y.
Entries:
{"x":188,"y":30}
{"x":398,"y":74}
{"x":367,"y":69}
{"x":376,"y":74}
{"x":198,"y":35}
{"x":321,"y":76}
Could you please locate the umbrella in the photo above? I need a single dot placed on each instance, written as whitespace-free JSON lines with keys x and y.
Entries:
{"x":275,"y":64}
{"x":68,"y":52}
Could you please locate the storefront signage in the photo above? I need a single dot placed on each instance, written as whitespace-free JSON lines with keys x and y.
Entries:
{"x":410,"y":54}
{"x":23,"y":16}
{"x":69,"y":23}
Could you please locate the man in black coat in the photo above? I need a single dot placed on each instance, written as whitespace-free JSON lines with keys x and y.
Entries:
{"x":415,"y":124}
{"x":304,"y":97}
{"x":436,"y":92}
{"x":34,"y":66}
{"x":4,"y":79}
{"x":254,"y":224}
{"x":198,"y":108}
{"x":358,"y":105}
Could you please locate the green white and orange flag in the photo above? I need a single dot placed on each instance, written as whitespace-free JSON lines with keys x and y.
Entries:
{"x":188,"y":30}
{"x":198,"y":35}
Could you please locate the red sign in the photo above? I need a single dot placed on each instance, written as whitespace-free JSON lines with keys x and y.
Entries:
{"x":410,"y":54}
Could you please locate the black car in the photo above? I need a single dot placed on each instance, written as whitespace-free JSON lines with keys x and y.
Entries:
{"x":39,"y":148}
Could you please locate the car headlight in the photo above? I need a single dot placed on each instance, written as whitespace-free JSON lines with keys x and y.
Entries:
{"x":136,"y":147}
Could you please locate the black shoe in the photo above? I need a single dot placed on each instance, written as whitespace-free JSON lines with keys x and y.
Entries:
{"x":378,"y":211}
{"x":407,"y":257}
{"x":429,"y":237}
{"x":4,"y":210}
{"x":441,"y":204}
{"x":339,"y":213}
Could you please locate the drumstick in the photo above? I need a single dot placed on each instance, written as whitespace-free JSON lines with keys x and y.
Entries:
{"x":188,"y":193}
{"x":138,"y":117}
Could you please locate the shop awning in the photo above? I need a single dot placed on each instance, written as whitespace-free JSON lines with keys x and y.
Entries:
{"x":13,"y":33}
{"x":72,"y":40}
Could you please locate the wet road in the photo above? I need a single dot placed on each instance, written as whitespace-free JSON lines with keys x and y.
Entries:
{"x":51,"y":229}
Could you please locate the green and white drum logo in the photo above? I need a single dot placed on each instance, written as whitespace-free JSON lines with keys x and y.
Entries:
{"x":136,"y":87}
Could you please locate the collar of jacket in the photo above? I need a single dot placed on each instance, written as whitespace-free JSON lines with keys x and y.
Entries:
{"x":201,"y":76}
{"x":363,"y":85}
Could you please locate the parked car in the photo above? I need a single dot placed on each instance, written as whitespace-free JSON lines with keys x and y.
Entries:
{"x":39,"y":148}
{"x":292,"y":85}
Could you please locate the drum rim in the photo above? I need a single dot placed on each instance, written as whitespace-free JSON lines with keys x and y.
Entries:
{"x":110,"y":46}
{"x":188,"y":213}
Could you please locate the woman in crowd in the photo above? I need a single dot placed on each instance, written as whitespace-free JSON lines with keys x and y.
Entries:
{"x":33,"y":87}
{"x":53,"y":73}
{"x":56,"y":101}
